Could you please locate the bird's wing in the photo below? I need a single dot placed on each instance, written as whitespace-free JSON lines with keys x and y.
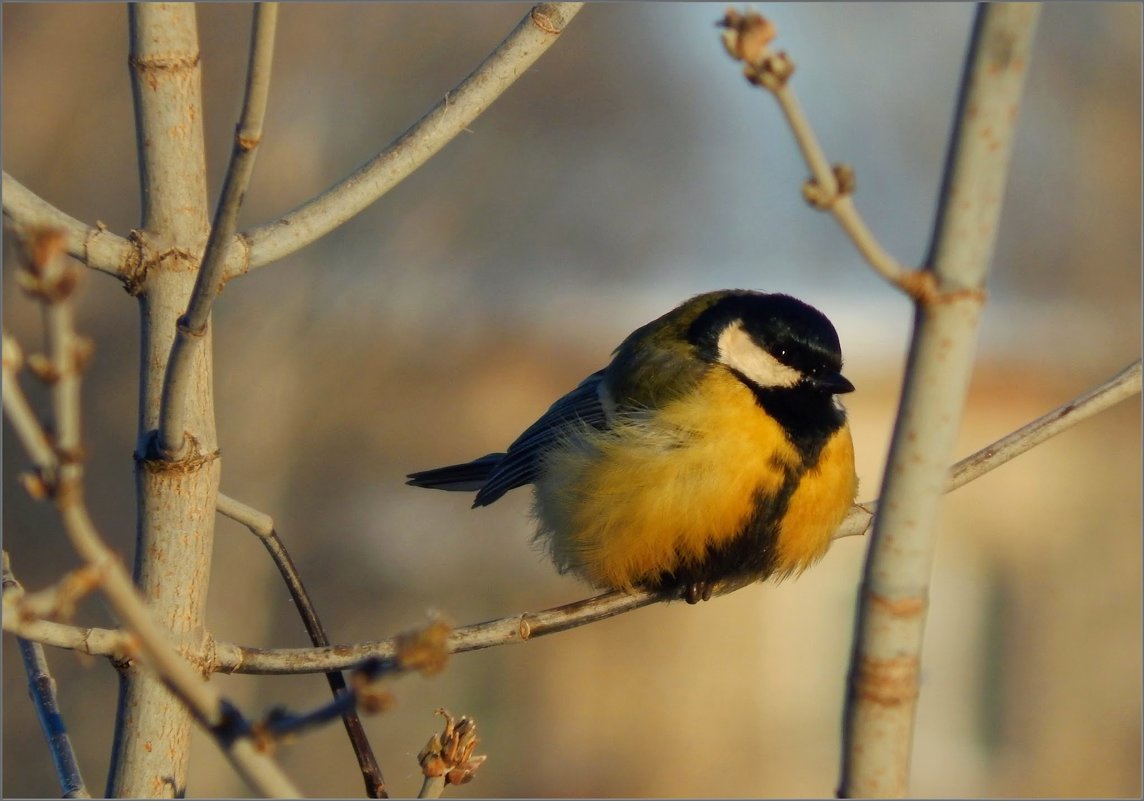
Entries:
{"x":521,"y":464}
{"x":651,"y":368}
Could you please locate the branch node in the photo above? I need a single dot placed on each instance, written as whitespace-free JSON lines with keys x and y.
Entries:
{"x":543,"y":21}
{"x":371,"y":698}
{"x":246,"y":143}
{"x":37,"y":485}
{"x":910,"y":606}
{"x":42,"y":368}
{"x":135,"y":268}
{"x":772,"y":73}
{"x":921,"y":286}
{"x":190,"y":459}
{"x":165,"y":62}
{"x":822,"y":197}
{"x":887,"y":682}
{"x":182,"y":325}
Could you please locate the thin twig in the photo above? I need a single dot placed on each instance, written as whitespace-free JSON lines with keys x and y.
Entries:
{"x":747,"y":38}
{"x":883,"y":682}
{"x":95,"y":246}
{"x":113,"y":643}
{"x":262,"y":526}
{"x":42,"y":689}
{"x":192,"y":326}
{"x":536,"y":32}
{"x":18,"y":410}
{"x":1120,"y":387}
{"x":365,"y":694}
{"x":431,"y":787}
{"x":67,"y":491}
{"x":517,"y":628}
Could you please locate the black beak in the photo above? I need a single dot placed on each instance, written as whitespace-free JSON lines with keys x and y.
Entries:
{"x":832,"y":383}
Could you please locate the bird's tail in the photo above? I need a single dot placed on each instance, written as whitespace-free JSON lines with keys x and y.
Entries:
{"x":467,"y":477}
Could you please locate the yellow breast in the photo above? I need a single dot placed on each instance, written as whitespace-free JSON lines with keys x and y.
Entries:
{"x":816,"y":508}
{"x":653,"y":493}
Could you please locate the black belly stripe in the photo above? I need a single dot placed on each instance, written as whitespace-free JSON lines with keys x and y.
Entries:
{"x":809,"y":418}
{"x":751,"y":552}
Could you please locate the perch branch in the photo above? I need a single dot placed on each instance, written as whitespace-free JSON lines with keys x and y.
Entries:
{"x":238,"y":659}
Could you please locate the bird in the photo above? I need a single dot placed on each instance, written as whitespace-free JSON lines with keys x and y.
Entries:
{"x":711,"y":448}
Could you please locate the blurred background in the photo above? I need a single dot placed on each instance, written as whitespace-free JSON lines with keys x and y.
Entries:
{"x":629,"y":169}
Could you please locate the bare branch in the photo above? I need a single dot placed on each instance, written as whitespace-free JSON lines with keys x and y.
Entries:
{"x":885,"y":664}
{"x":262,"y":526}
{"x":747,"y":38}
{"x":536,"y":32}
{"x":365,"y":693}
{"x":96,"y":247}
{"x":52,"y":286}
{"x":516,"y":628}
{"x":19,"y":412}
{"x":192,"y":325}
{"x":113,"y":643}
{"x":1121,"y":386}
{"x":431,"y":787}
{"x":42,"y":689}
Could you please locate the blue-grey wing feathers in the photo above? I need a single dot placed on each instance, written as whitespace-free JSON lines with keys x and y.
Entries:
{"x":497,"y":473}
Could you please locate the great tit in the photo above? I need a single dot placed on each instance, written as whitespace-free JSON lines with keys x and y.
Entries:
{"x":710,"y":449}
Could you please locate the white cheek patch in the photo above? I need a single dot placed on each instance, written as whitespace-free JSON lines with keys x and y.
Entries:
{"x":739,"y":352}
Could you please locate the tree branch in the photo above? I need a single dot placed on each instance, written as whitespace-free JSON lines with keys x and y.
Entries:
{"x":885,"y":663}
{"x":189,"y":336}
{"x":19,"y":411}
{"x":61,"y":472}
{"x":536,"y":32}
{"x":42,"y":690}
{"x":746,"y":39}
{"x":175,"y":503}
{"x":517,"y":628}
{"x":96,"y":247}
{"x":262,"y":526}
{"x":1121,"y":386}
